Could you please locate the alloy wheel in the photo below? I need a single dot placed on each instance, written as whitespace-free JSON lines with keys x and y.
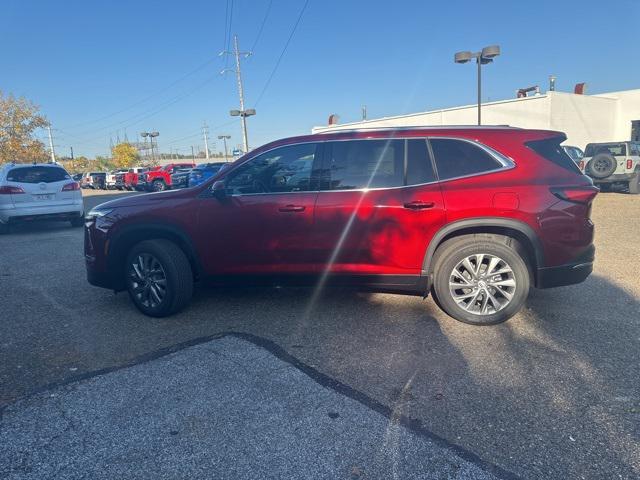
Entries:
{"x":482,"y":284}
{"x":148,"y":280}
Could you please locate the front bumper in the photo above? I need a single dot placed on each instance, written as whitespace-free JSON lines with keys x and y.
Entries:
{"x":101,"y":279}
{"x":568,"y":274}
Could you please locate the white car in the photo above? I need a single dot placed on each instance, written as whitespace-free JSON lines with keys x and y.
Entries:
{"x":42,"y":191}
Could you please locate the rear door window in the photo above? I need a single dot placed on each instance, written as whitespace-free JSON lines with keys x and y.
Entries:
{"x":37,"y":174}
{"x":458,"y":158}
{"x":359,"y":164}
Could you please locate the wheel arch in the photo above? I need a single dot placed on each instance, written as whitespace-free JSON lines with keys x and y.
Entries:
{"x":122,"y":242}
{"x":519,"y":230}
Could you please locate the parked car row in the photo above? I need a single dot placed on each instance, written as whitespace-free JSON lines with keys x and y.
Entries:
{"x":154,"y":179}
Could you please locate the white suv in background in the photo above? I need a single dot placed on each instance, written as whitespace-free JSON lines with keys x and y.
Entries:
{"x":613,"y":164}
{"x":42,"y":191}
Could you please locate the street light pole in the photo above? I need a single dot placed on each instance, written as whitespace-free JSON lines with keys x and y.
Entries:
{"x":479,"y":90}
{"x":224,"y":140}
{"x":486,"y":55}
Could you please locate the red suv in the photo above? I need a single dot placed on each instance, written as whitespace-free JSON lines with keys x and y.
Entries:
{"x":475,"y":215}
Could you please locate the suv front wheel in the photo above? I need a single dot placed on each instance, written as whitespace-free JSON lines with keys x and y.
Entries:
{"x":480,"y":279}
{"x":158,"y":277}
{"x":158,"y":186}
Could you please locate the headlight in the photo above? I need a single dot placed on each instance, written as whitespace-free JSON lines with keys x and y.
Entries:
{"x":98,"y":213}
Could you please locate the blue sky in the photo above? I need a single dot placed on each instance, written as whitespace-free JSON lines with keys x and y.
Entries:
{"x":100,"y":68}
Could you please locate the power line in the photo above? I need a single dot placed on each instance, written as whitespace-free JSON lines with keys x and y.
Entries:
{"x":275,"y":68}
{"x":228,"y":40}
{"x":150,"y":112}
{"x":195,"y":70}
{"x":264,"y":20}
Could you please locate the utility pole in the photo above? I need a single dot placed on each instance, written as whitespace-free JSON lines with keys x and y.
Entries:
{"x":72,"y":165}
{"x":205,"y":132}
{"x":193,"y":155}
{"x":236,"y":52}
{"x":53,"y":153}
{"x":242,"y":113}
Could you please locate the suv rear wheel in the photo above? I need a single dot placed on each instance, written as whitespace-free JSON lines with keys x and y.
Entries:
{"x":158,"y":277}
{"x":480,"y":279}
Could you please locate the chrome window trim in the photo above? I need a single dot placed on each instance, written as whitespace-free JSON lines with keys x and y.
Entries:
{"x":506,"y":162}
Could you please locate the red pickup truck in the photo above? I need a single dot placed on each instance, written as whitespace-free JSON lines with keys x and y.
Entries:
{"x":159,"y":178}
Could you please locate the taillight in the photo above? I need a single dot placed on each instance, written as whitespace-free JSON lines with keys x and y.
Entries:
{"x":629,"y":164}
{"x":576,"y":194}
{"x":71,"y":186}
{"x":581,"y":165}
{"x":10,"y":190}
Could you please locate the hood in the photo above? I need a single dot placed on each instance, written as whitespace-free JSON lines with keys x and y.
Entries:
{"x":146,"y":198}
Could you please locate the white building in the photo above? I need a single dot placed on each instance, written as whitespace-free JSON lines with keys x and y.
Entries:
{"x":604,"y":117}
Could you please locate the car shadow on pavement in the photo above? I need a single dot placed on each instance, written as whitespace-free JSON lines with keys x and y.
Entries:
{"x":553,"y":393}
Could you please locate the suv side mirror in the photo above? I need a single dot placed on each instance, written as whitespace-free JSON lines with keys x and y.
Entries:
{"x":218,"y":190}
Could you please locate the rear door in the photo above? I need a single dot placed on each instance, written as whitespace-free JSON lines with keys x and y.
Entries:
{"x":377,"y":207}
{"x":42,"y":185}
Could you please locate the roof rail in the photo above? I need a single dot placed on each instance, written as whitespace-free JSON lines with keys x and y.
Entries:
{"x":417,"y":127}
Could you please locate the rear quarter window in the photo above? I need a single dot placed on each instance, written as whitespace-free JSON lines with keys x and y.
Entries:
{"x":459,"y":158}
{"x":550,"y":149}
{"x":37,"y":174}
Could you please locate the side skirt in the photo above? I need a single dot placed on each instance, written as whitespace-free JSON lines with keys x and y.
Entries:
{"x":399,"y":284}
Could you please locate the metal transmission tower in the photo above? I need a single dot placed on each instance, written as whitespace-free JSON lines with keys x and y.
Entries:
{"x":53,"y":153}
{"x":242,"y":113}
{"x":205,"y":133}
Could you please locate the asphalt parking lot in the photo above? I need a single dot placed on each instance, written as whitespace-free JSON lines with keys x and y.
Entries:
{"x":553,"y":393}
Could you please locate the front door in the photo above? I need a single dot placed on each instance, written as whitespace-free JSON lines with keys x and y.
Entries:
{"x":263,"y":223}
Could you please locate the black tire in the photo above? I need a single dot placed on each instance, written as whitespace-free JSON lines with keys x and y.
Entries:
{"x":78,"y":221}
{"x":452,"y":252}
{"x":158,"y":186}
{"x":634,"y":184}
{"x":177,"y":273}
{"x":601,"y":166}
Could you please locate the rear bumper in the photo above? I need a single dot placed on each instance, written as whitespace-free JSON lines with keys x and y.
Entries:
{"x":568,"y":274}
{"x":616,"y":177}
{"x":61,"y":212}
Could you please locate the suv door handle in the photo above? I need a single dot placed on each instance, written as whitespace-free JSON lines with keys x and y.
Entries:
{"x":292,"y":208}
{"x":418,"y":205}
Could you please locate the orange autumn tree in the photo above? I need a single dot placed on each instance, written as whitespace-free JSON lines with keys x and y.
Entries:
{"x":19,"y":119}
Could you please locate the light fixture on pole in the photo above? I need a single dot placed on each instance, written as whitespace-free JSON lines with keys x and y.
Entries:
{"x":486,"y":55}
{"x":151,"y":136}
{"x":244,"y":114}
